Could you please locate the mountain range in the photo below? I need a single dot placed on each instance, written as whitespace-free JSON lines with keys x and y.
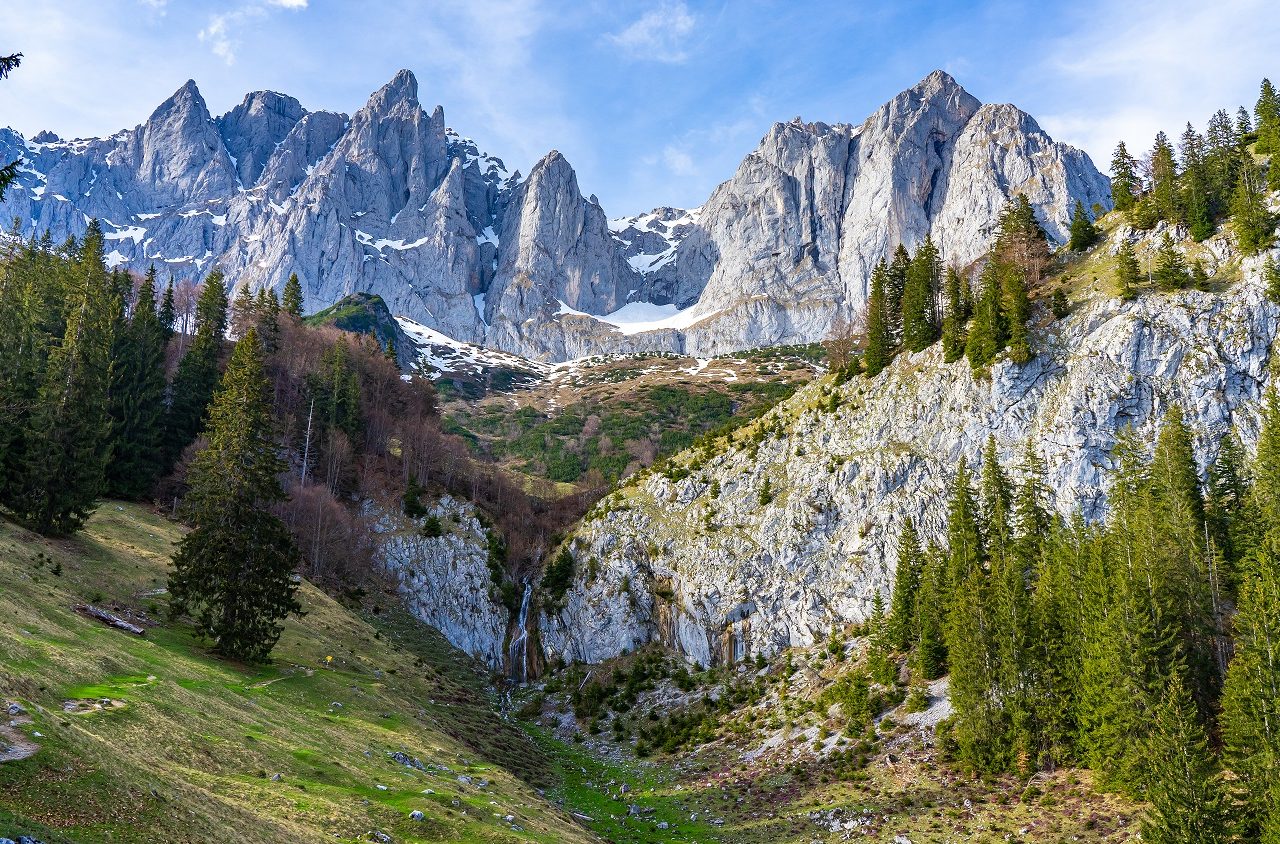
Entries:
{"x":392,"y":201}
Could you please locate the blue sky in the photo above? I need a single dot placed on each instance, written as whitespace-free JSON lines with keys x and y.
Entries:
{"x":653,"y":102}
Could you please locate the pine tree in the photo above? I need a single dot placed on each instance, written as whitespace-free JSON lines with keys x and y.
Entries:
{"x":986,"y":332}
{"x":953,"y":322}
{"x":919,"y":298}
{"x":906,"y":588}
{"x":1271,"y":276}
{"x":8,"y":172}
{"x":895,"y":285}
{"x":291,"y":302}
{"x":931,"y":616}
{"x":1128,"y":272}
{"x":1223,"y":159}
{"x":137,"y":399}
{"x":1251,"y":696}
{"x":197,"y":375}
{"x":1188,"y":805}
{"x":1170,"y":272}
{"x":234,"y":572}
{"x":244,"y":312}
{"x":1164,"y":180}
{"x":1253,"y":223}
{"x":68,"y":429}
{"x":876,"y":356}
{"x":1083,"y":232}
{"x":1125,"y":185}
{"x":1267,"y":112}
{"x":168,"y":311}
{"x":1195,"y":199}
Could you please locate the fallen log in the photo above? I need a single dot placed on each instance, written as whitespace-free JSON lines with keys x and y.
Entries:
{"x":109,"y":619}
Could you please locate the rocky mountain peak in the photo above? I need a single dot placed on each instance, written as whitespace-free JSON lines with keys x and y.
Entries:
{"x":255,"y":128}
{"x":403,"y":88}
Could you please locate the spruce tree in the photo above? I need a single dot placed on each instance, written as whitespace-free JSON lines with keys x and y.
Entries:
{"x":9,"y":171}
{"x":137,"y":399}
{"x":1083,"y":232}
{"x":1128,"y":272}
{"x":932,"y":607}
{"x":197,"y":374}
{"x":986,"y":331}
{"x":906,"y":588}
{"x":1271,"y":277}
{"x":1195,"y":199}
{"x":1267,"y":112}
{"x":1164,"y":180}
{"x":1223,"y":159}
{"x":1170,"y":272}
{"x":1252,"y":221}
{"x":876,"y":356}
{"x":1251,"y":696}
{"x":234,"y":572}
{"x":68,"y":430}
{"x":955,"y":318}
{"x":1188,"y":804}
{"x":895,"y":285}
{"x":919,"y":298}
{"x":1125,"y":185}
{"x":168,"y":311}
{"x":291,"y":302}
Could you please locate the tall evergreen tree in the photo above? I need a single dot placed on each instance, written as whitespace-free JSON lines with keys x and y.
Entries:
{"x":9,"y":171}
{"x":1170,"y":271}
{"x":919,"y":298}
{"x":168,"y":310}
{"x":1128,"y":272}
{"x":1253,"y":222}
{"x":906,"y":588}
{"x":1188,"y":805}
{"x":895,"y":286}
{"x":1164,"y":180}
{"x":1083,"y":232}
{"x":986,"y":331}
{"x":197,"y":375}
{"x":291,"y":302}
{"x":955,"y":318}
{"x":1267,"y":112}
{"x":68,"y":429}
{"x":1195,"y":198}
{"x":137,"y":399}
{"x":876,"y":356}
{"x":234,"y":572}
{"x":1125,"y":184}
{"x":931,"y":615}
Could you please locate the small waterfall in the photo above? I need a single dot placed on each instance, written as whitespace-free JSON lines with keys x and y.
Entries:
{"x":518,"y":650}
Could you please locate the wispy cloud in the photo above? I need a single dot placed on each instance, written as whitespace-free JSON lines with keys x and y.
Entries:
{"x":1155,"y":65}
{"x":222,"y":33}
{"x":661,"y":34}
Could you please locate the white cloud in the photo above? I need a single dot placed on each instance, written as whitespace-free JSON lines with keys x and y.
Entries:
{"x":288,"y":4}
{"x":658,"y":35}
{"x":1153,"y":66}
{"x":678,"y":161}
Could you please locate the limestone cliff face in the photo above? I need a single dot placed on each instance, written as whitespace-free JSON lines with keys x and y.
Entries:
{"x":390,"y":201}
{"x":445,"y":579}
{"x":704,"y":566}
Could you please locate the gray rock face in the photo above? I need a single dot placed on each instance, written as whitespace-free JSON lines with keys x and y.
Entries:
{"x":445,"y":579}
{"x":722,"y":577}
{"x":392,"y":202}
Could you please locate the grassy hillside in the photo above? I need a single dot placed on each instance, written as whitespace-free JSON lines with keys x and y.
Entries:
{"x":153,"y":739}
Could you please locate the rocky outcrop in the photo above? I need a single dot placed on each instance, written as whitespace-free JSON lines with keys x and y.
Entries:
{"x":772,"y":545}
{"x":390,"y":201}
{"x":445,"y":579}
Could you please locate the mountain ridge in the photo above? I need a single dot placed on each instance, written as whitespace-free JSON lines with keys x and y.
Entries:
{"x":392,"y":201}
